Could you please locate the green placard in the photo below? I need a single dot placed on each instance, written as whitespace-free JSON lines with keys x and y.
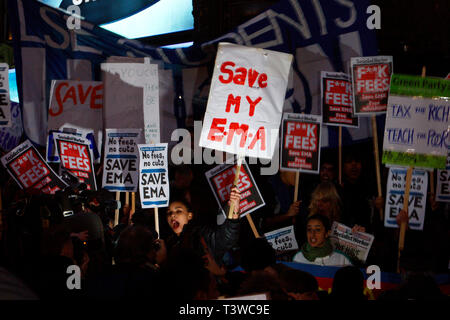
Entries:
{"x":414,"y":159}
{"x":406,"y":85}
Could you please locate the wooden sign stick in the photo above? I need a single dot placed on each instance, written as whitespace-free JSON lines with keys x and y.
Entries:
{"x":133,"y":207}
{"x":252,"y":225}
{"x":424,"y":72}
{"x":340,"y":155}
{"x":377,"y":160}
{"x":116,"y":212}
{"x":297,"y":178}
{"x":157,"y":221}
{"x":401,"y":240}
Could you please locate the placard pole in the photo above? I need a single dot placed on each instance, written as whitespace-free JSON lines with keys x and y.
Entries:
{"x":401,"y":240}
{"x":377,"y":160}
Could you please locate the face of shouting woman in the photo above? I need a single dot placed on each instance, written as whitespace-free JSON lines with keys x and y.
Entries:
{"x":316,"y":233}
{"x":178,"y":216}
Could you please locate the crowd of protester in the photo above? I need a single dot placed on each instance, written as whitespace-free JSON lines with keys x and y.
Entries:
{"x":201,"y":254}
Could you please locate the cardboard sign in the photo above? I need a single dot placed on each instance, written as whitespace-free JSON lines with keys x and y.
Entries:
{"x":301,"y":142}
{"x":417,"y":131}
{"x":417,"y":197}
{"x":120,"y":166}
{"x":245,"y":100}
{"x":370,"y":78}
{"x":153,"y":175}
{"x":77,"y":105}
{"x":221,"y":180}
{"x":5,"y":112}
{"x":443,"y":183}
{"x":30,"y":171}
{"x":355,"y":245}
{"x":132,"y":97}
{"x":76,"y":157}
{"x":282,"y":239}
{"x":337,"y":100}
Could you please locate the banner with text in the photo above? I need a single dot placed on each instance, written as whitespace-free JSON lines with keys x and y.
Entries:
{"x":417,"y":130}
{"x":395,"y":192}
{"x":282,"y":239}
{"x":301,"y":142}
{"x":221,"y":180}
{"x":30,"y":171}
{"x":76,"y":157}
{"x":132,"y":97}
{"x":370,"y":78}
{"x":245,"y":101}
{"x":5,"y":111}
{"x":337,"y":100}
{"x":443,"y":183}
{"x":120,"y":166}
{"x":355,"y":245}
{"x":75,"y":106}
{"x":153,"y":175}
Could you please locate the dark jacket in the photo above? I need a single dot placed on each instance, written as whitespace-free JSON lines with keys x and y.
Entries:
{"x":219,"y":239}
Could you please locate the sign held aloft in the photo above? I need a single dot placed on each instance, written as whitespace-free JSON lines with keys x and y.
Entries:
{"x":245,"y":100}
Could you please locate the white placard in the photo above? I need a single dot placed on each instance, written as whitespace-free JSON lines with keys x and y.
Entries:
{"x":153,"y":175}
{"x":355,"y":245}
{"x":282,"y":239}
{"x":417,"y":197}
{"x":121,"y":163}
{"x":443,"y":183}
{"x":245,"y":100}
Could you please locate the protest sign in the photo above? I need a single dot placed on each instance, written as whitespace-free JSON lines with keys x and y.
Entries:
{"x":301,"y":142}
{"x":355,"y":245}
{"x":5,"y":112}
{"x":282,"y":239}
{"x":245,"y":100}
{"x":337,"y":100}
{"x":76,"y":157}
{"x":370,"y":79}
{"x":153,"y":175}
{"x":51,"y":152}
{"x":417,"y":197}
{"x":417,"y":131}
{"x":132,"y":98}
{"x":221,"y":180}
{"x":30,"y":171}
{"x":10,"y":136}
{"x":443,"y":183}
{"x":120,"y":165}
{"x":77,"y":105}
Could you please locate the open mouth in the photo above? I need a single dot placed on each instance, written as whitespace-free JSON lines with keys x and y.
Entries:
{"x":175,"y":225}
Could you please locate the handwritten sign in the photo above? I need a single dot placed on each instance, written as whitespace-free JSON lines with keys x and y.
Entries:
{"x":153,"y":175}
{"x":301,"y":142}
{"x":337,"y":100}
{"x":30,"y":171}
{"x":77,"y":105}
{"x":132,"y":98}
{"x":245,"y":100}
{"x":221,"y":180}
{"x":120,"y":166}
{"x":75,"y":156}
{"x":355,"y":245}
{"x":282,"y":239}
{"x":443,"y":183}
{"x":370,"y":78}
{"x":417,"y":197}
{"x":417,"y":130}
{"x":5,"y":112}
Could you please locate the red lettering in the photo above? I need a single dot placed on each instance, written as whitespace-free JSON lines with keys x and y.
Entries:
{"x":215,"y":129}
{"x":223,"y":69}
{"x":71,"y":94}
{"x":260,"y":135}
{"x":239,"y":78}
{"x":241,"y":130}
{"x":253,"y":105}
{"x":95,"y":95}
{"x":58,"y":100}
{"x":236,"y":101}
{"x":81,"y":94}
{"x":252,"y":76}
{"x":262,"y":81}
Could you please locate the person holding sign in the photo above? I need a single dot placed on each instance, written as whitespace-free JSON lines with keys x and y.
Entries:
{"x":202,"y":238}
{"x":318,"y":249}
